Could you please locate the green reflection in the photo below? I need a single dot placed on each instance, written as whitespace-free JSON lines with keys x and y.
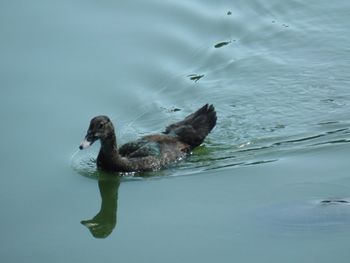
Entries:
{"x":103,"y":223}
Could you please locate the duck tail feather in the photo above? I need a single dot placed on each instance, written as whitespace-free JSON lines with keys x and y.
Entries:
{"x":195,"y":127}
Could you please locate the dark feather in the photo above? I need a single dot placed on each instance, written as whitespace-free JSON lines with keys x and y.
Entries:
{"x":195,"y":127}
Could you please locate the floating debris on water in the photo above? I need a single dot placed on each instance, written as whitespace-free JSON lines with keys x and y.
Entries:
{"x":283,"y":25}
{"x":171,"y":109}
{"x":229,"y":13}
{"x":328,"y":100}
{"x":280,"y":126}
{"x":174,"y":109}
{"x":195,"y":77}
{"x":334,"y":201}
{"x":221,"y":44}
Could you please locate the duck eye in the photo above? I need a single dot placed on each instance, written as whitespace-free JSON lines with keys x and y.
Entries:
{"x":101,"y":125}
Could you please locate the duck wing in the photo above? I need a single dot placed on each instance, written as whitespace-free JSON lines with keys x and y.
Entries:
{"x":140,"y":148}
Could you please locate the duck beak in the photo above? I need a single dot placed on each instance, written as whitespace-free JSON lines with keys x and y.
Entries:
{"x":84,"y":144}
{"x":87,"y":141}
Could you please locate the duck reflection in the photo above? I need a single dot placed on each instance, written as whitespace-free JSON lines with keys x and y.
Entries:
{"x":103,"y":223}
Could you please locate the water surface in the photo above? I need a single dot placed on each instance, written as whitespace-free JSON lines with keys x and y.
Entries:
{"x":277,"y":73}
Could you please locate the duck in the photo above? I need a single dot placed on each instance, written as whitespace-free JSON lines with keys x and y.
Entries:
{"x":151,"y":152}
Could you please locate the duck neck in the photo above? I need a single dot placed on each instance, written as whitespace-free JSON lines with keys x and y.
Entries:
{"x":109,"y":145}
{"x":108,"y":156}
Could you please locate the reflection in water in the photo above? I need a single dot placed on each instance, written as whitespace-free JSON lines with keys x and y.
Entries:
{"x":103,"y":223}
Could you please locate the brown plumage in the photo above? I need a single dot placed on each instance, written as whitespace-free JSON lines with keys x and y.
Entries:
{"x":150,"y":152}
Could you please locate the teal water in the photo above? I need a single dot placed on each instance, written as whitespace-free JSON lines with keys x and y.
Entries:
{"x":277,"y":73}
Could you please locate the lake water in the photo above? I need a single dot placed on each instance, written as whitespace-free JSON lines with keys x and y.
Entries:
{"x":270,"y":183}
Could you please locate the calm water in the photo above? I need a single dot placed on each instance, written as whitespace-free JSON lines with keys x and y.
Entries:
{"x":271,"y":182}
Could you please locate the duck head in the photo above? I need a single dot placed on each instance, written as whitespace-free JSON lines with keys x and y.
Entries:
{"x":100,"y":128}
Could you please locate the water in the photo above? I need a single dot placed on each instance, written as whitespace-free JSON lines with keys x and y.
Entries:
{"x":276,"y":72}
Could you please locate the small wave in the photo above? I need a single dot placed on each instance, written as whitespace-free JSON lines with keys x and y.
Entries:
{"x":309,"y":215}
{"x":85,"y":165}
